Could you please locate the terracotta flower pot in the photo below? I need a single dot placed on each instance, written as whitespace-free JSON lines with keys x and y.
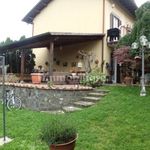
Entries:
{"x":36,"y":78}
{"x":66,"y":146}
{"x":128,"y":80}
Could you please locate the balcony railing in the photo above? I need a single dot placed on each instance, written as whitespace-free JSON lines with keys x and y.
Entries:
{"x":113,"y":35}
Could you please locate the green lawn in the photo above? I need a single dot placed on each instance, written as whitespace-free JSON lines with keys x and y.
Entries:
{"x":120,"y":121}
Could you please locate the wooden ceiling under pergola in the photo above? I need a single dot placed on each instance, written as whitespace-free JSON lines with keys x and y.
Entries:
{"x":49,"y":40}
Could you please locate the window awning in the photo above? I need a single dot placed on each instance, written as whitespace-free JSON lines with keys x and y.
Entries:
{"x":59,"y":39}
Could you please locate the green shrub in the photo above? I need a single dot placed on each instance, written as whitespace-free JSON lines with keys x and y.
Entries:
{"x":50,"y":84}
{"x":94,"y":78}
{"x":57,"y":131}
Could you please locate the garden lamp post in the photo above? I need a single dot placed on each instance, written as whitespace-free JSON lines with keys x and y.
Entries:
{"x":142,"y":45}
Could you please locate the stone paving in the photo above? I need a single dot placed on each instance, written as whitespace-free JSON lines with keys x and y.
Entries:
{"x":7,"y":140}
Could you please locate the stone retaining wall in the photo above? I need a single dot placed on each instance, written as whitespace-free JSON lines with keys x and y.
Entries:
{"x":46,"y":99}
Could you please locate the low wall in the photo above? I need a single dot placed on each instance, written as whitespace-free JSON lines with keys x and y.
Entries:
{"x":46,"y":99}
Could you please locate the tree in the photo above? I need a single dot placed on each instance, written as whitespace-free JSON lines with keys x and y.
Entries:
{"x":29,"y":59}
{"x":13,"y":58}
{"x":141,"y":26}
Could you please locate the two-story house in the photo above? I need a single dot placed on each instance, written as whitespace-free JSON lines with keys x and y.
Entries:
{"x":91,"y":26}
{"x":67,"y":33}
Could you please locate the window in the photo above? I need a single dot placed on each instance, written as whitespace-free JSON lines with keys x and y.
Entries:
{"x":115,"y":22}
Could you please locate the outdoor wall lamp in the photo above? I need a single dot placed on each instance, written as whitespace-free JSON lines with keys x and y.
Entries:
{"x":79,"y":65}
{"x":142,"y":45}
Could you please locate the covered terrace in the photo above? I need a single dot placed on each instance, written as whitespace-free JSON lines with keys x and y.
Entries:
{"x":49,"y":40}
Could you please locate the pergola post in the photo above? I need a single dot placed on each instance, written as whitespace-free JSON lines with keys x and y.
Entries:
{"x":51,"y":57}
{"x":22,"y":64}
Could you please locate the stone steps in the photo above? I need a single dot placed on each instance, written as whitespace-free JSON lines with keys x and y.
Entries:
{"x":83,"y":104}
{"x":71,"y":108}
{"x":54,"y":112}
{"x":91,"y":99}
{"x":101,"y":90}
{"x":87,"y":101}
{"x":97,"y":94}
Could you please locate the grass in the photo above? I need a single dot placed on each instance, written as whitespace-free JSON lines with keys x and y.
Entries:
{"x":120,"y":121}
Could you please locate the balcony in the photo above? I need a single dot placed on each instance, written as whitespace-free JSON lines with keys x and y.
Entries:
{"x":113,"y":35}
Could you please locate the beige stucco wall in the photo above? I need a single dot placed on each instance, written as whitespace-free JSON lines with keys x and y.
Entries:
{"x":42,"y":56}
{"x":125,"y":18}
{"x":75,"y":16}
{"x":79,"y":16}
{"x":118,"y":11}
{"x":69,"y":54}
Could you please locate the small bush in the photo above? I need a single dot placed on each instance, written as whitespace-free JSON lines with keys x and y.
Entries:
{"x":94,"y":78}
{"x":57,"y":131}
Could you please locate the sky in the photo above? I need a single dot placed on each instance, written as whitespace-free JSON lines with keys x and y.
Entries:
{"x":13,"y":11}
{"x":140,"y":2}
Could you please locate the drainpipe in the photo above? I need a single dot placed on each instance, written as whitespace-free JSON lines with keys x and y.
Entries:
{"x":32,"y":28}
{"x":103,"y":30}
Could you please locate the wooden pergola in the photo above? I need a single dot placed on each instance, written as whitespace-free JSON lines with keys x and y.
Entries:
{"x":49,"y":40}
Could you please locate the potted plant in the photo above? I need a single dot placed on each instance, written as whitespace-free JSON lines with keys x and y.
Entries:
{"x":128,"y":80}
{"x":59,"y":134}
{"x":36,"y":77}
{"x":37,"y":74}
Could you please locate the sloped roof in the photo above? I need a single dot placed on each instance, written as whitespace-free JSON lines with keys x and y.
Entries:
{"x":128,"y":4}
{"x":59,"y":39}
{"x":35,"y":10}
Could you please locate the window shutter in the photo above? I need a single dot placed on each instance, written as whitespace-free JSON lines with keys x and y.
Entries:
{"x":111,"y":20}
